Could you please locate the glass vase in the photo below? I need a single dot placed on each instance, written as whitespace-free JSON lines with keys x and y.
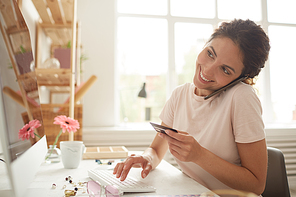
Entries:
{"x":53,"y":154}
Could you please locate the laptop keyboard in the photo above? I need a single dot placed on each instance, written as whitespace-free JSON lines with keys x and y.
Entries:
{"x":106,"y":177}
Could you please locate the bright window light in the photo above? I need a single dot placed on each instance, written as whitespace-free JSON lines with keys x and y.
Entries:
{"x":190,"y":39}
{"x":142,"y":45}
{"x":152,"y":7}
{"x":282,"y":71}
{"x":193,"y":8}
{"x":282,"y":11}
{"x":243,"y":9}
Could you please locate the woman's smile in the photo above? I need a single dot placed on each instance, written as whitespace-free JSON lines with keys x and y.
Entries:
{"x":204,"y":79}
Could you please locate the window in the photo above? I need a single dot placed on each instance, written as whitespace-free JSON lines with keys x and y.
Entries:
{"x":281,"y":11}
{"x":158,"y":42}
{"x":149,"y":7}
{"x":189,"y":41}
{"x":193,"y":8}
{"x":247,"y":9}
{"x":142,"y":58}
{"x":282,"y":71}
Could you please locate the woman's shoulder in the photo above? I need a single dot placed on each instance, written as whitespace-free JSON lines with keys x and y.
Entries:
{"x":182,"y":91}
{"x":184,"y":88}
{"x":241,"y":90}
{"x":242,"y":93}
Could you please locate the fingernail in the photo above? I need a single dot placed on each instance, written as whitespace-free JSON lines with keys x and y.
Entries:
{"x":144,"y":175}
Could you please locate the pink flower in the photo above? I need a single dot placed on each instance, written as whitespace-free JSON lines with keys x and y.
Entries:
{"x":28,"y":130}
{"x":67,"y":123}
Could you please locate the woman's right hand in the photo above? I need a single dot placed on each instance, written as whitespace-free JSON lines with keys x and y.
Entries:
{"x":122,"y":169}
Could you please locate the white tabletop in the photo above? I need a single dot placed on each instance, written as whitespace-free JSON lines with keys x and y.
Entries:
{"x":167,"y":180}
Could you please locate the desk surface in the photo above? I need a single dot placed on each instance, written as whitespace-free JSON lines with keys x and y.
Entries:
{"x":165,"y":178}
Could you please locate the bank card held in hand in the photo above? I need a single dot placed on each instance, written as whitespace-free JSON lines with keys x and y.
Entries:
{"x":161,"y":128}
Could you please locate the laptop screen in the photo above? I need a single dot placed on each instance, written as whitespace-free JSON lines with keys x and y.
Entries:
{"x":17,"y":78}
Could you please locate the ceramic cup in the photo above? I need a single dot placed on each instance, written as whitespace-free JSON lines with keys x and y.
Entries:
{"x":71,"y":153}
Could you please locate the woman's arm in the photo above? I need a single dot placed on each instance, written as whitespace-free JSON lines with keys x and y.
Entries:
{"x":250,"y":176}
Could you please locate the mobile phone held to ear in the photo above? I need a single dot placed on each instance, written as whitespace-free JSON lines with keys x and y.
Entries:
{"x":233,"y":83}
{"x":161,"y":128}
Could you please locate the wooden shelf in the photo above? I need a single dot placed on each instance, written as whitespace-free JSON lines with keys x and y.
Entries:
{"x":46,"y":77}
{"x":57,"y":17}
{"x":53,"y":77}
{"x":58,"y":21}
{"x":59,"y":12}
{"x":15,"y":27}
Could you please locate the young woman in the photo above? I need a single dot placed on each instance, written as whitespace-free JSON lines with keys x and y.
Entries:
{"x":220,"y":141}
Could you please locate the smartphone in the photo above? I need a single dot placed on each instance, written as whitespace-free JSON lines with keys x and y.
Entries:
{"x":161,"y":128}
{"x":233,"y":83}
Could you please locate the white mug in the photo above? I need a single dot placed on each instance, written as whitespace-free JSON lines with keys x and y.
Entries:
{"x":71,"y":153}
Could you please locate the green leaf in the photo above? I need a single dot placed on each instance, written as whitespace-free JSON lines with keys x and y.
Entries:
{"x":23,"y":50}
{"x":69,"y":45}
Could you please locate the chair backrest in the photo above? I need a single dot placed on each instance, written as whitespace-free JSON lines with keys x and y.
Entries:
{"x":276,"y":181}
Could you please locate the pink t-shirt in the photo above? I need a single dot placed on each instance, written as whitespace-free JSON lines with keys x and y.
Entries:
{"x":217,"y":124}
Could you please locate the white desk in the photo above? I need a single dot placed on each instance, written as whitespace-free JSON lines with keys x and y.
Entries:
{"x":165,"y":178}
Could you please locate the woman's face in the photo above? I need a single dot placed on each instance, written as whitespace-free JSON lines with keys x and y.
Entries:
{"x":217,"y":65}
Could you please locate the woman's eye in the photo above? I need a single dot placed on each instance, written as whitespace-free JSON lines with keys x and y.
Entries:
{"x":210,"y":54}
{"x":226,"y":71}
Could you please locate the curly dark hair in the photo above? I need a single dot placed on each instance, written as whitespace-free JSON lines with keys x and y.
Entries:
{"x":252,"y":42}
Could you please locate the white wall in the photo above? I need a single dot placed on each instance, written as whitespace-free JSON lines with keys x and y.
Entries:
{"x":97,"y":37}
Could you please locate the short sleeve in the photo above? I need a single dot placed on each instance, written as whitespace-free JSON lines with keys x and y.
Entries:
{"x":167,"y":113}
{"x":247,"y":120}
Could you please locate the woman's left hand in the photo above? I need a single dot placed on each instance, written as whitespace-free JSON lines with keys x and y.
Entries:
{"x":182,"y":145}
